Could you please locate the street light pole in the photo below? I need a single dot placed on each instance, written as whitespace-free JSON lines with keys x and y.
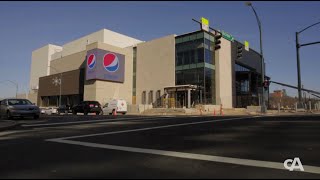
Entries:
{"x":263,"y":105}
{"x":60,"y":83}
{"x":17,"y":87}
{"x":14,"y":83}
{"x":60,"y":89}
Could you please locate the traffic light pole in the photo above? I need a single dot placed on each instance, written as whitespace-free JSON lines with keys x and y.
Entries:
{"x":216,"y":31}
{"x":300,"y":105}
{"x":298,"y":68}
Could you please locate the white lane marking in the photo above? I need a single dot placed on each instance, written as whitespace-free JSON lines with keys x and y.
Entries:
{"x":156,"y":127}
{"x":219,"y":159}
{"x":80,"y":122}
{"x":14,"y":132}
{"x":290,"y":121}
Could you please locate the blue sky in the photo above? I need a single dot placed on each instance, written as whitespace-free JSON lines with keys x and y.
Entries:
{"x":26,"y":26}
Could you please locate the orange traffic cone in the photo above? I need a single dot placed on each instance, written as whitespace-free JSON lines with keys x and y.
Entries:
{"x":214,"y":112}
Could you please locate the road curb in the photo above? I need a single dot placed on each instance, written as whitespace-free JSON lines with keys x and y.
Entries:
{"x":8,"y":124}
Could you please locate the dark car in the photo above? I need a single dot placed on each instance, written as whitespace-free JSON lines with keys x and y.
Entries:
{"x":87,"y":107}
{"x":10,"y":108}
{"x":64,"y":109}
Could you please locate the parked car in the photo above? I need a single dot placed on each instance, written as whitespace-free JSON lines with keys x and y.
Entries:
{"x":115,"y":105}
{"x":10,"y":108}
{"x":64,"y":109}
{"x":48,"y":110}
{"x":42,"y":110}
{"x":87,"y":107}
{"x":52,"y":110}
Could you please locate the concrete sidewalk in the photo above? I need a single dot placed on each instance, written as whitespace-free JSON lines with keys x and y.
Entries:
{"x":7,"y":124}
{"x":226,"y":112}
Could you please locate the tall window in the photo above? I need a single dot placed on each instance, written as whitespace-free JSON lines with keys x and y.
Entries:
{"x":200,"y":54}
{"x":186,"y":58}
{"x":134,"y":77}
{"x":179,"y":58}
{"x":158,"y":94}
{"x":158,"y":98}
{"x":150,"y":97}
{"x":192,"y":57}
{"x":210,"y":86}
{"x":244,"y":85}
{"x":144,"y":98}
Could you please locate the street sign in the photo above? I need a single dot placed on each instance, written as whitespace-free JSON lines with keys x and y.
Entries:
{"x":246,"y":45}
{"x":227,"y":36}
{"x":205,"y":24}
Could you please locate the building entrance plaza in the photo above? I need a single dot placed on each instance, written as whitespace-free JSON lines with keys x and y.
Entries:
{"x":181,"y":96}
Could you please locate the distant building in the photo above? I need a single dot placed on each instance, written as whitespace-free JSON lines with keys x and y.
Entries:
{"x":277,"y":93}
{"x":284,"y":91}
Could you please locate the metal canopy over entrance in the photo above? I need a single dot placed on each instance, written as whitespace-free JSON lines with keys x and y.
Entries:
{"x":180,"y":93}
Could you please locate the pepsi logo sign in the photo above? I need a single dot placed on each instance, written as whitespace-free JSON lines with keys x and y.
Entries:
{"x":105,"y":65}
{"x":110,"y":62}
{"x":91,"y":61}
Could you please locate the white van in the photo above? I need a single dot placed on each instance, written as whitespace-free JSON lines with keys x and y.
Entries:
{"x":118,"y":105}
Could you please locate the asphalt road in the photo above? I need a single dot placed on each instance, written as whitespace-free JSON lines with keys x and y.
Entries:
{"x":160,"y":147}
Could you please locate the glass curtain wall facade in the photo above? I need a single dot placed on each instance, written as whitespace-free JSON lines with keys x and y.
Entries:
{"x":195,"y":65}
{"x":247,"y":81}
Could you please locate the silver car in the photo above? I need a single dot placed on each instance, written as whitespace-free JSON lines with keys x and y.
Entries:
{"x":10,"y":108}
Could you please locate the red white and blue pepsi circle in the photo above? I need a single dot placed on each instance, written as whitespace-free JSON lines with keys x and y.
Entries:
{"x":111,"y":62}
{"x":91,"y":61}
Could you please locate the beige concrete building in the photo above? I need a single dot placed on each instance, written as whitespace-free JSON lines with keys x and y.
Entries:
{"x":174,"y":71}
{"x":51,"y":59}
{"x":155,"y":68}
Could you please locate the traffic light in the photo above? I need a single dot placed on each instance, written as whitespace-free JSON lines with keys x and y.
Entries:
{"x":266,"y":84}
{"x":217,"y":41}
{"x":239,"y":52}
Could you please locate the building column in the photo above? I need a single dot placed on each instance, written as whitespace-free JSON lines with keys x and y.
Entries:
{"x":200,"y":96}
{"x":189,"y":98}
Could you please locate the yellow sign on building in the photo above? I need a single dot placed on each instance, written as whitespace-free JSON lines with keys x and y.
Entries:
{"x":204,"y":21}
{"x":205,"y":24}
{"x":246,"y":45}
